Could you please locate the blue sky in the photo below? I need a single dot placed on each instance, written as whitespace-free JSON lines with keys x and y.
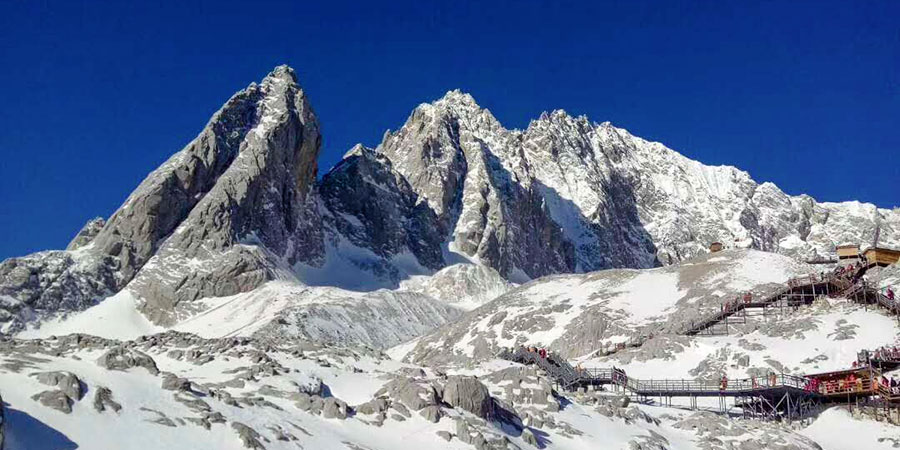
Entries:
{"x":97,"y":94}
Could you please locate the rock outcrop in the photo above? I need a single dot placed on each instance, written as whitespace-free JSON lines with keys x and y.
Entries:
{"x":221,"y":216}
{"x":103,"y":398}
{"x":469,"y":394}
{"x":54,"y":399}
{"x":255,"y":212}
{"x":122,"y":358}
{"x":68,"y":383}
{"x":87,"y":233}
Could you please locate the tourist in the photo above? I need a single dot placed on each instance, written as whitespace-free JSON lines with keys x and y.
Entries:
{"x":890,"y":294}
{"x":724,"y":383}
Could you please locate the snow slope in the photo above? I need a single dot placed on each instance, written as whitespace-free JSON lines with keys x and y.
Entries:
{"x":579,"y":314}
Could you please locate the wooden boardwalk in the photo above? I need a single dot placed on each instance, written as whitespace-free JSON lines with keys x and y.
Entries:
{"x":774,"y":396}
{"x":797,"y":292}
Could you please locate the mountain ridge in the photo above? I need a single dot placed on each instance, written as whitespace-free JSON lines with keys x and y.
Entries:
{"x":241,"y":206}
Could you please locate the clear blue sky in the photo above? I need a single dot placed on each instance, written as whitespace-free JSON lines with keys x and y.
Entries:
{"x":97,"y":94}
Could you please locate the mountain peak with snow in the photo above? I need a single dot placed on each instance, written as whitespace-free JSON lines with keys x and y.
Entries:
{"x":452,"y":184}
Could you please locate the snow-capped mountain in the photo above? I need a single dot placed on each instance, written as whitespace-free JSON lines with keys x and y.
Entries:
{"x":237,"y":301}
{"x":240,"y":207}
{"x":569,"y":195}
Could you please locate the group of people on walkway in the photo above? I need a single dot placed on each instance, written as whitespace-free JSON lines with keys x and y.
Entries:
{"x":733,"y":305}
{"x":891,"y":383}
{"x":770,"y":380}
{"x":847,"y":383}
{"x":852,"y":272}
{"x":541,"y":352}
{"x":887,"y":354}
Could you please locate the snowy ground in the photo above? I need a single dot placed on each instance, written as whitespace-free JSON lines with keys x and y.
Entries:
{"x":260,"y":382}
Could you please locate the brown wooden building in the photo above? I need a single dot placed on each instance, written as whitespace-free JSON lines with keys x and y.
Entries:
{"x":848,"y":251}
{"x":881,"y":256}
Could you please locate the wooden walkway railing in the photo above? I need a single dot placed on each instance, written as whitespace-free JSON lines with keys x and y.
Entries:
{"x":832,"y":284}
{"x":568,"y":377}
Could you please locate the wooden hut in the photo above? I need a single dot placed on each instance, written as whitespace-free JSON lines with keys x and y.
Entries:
{"x":881,"y":256}
{"x":716,"y":247}
{"x":849,"y":251}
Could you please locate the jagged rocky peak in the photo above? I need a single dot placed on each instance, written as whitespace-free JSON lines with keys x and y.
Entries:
{"x":240,"y":206}
{"x":88,"y":232}
{"x":374,"y":207}
{"x":256,"y":216}
{"x":217,"y":218}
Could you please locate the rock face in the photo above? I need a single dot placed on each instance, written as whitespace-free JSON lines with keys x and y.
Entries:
{"x":469,"y":394}
{"x":255,"y":213}
{"x":103,"y":398}
{"x":248,"y":436}
{"x":374,"y":207}
{"x":52,"y":281}
{"x":87,"y":233}
{"x":464,"y":285}
{"x":240,"y":206}
{"x":568,"y":195}
{"x":218,"y":218}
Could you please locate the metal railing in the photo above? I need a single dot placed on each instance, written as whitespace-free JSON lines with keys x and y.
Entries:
{"x":567,"y":377}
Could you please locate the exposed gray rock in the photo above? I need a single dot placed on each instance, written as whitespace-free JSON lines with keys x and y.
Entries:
{"x":255,"y":209}
{"x":249,"y":437}
{"x":103,"y":398}
{"x":375,"y":208}
{"x":374,"y":406}
{"x":57,"y":400}
{"x":445,"y":435}
{"x":240,"y":206}
{"x":415,"y":394}
{"x":432,"y":413}
{"x":334,"y":408}
{"x":122,"y":358}
{"x":236,"y":200}
{"x":44,"y":283}
{"x":87,"y":234}
{"x":469,"y":394}
{"x":192,"y":402}
{"x":175,"y":383}
{"x":67,"y":382}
